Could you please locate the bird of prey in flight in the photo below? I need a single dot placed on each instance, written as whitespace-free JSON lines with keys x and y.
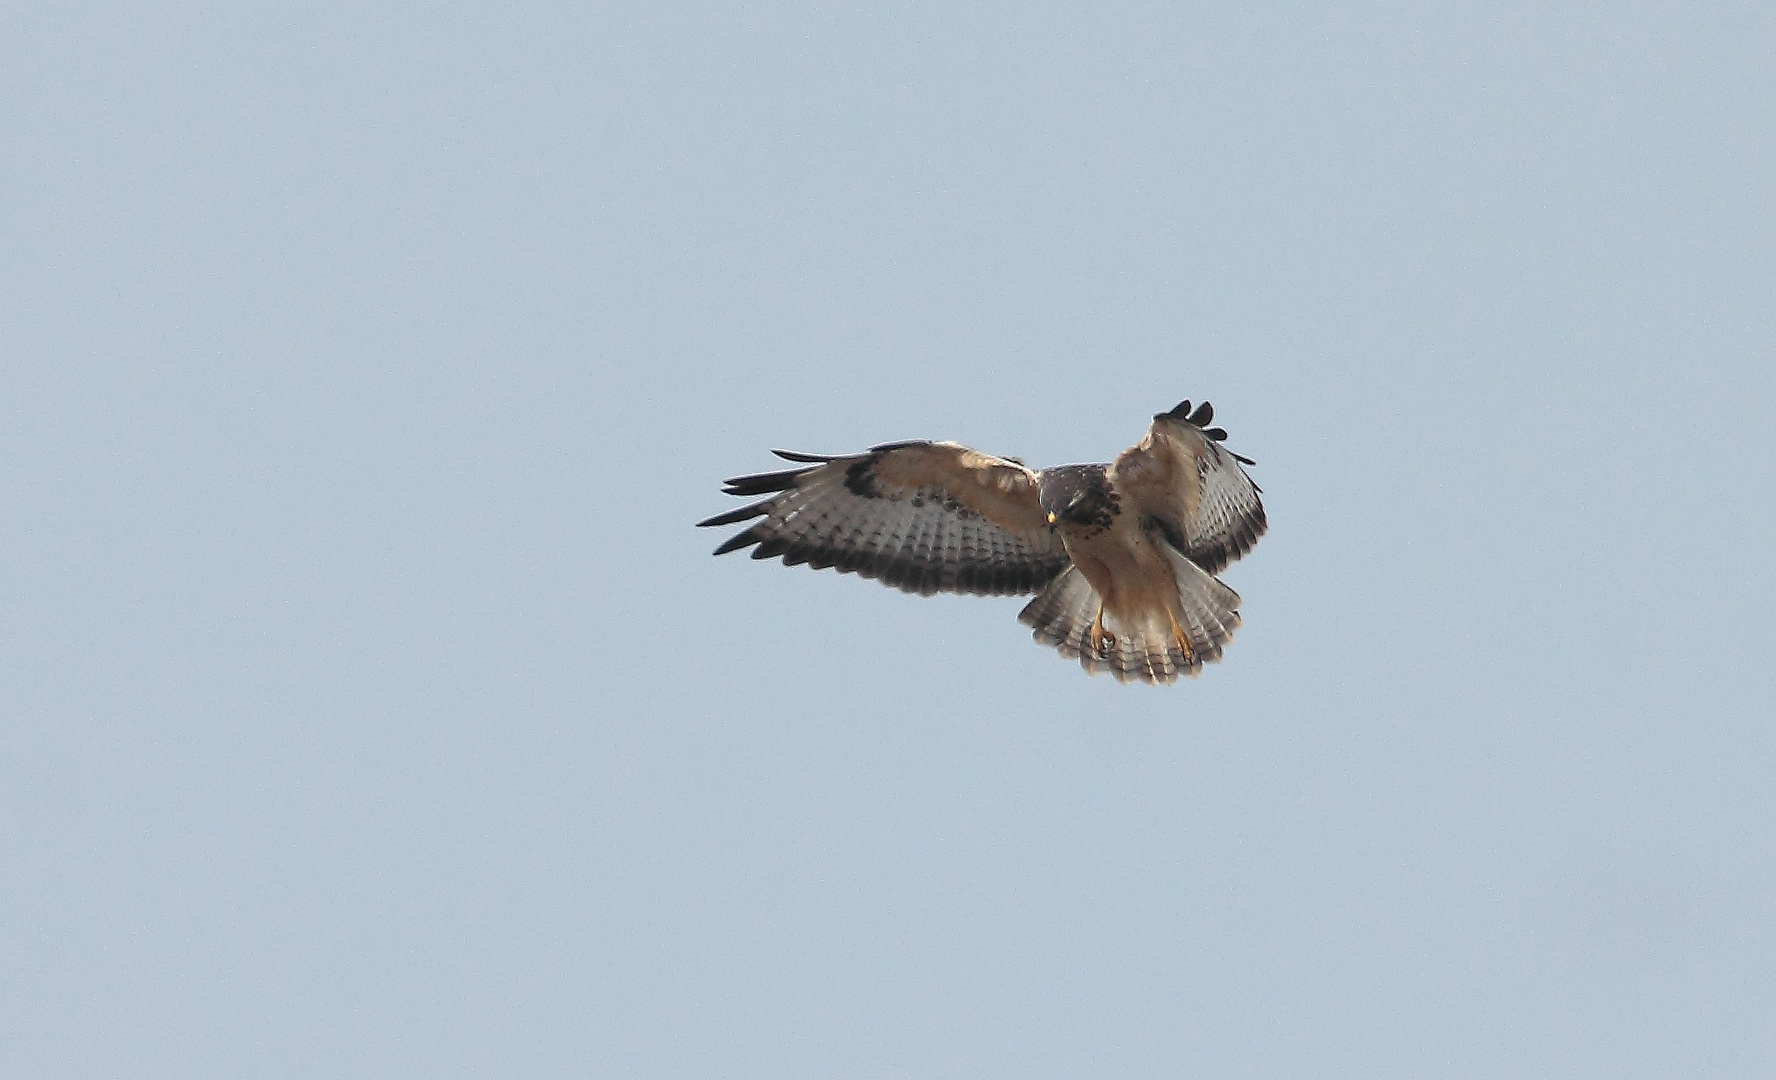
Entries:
{"x":1122,"y":556}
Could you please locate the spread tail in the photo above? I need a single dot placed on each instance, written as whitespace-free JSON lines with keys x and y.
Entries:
{"x":1155,"y":646}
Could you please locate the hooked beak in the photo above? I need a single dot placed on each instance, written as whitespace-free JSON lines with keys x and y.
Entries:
{"x":1051,"y":517}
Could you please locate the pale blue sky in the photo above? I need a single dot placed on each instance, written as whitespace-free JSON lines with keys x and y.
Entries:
{"x":371,"y":707}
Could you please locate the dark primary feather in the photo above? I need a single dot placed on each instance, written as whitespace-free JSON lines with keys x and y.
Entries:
{"x":1204,"y":414}
{"x":841,"y":514}
{"x":763,"y":482}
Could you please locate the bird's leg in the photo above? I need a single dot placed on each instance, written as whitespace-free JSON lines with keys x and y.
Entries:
{"x":1101,"y":639}
{"x":1179,"y":636}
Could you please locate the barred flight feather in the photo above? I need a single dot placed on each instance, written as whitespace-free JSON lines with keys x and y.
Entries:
{"x":841,"y":514}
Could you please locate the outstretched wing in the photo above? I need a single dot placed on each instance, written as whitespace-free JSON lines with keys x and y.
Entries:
{"x":925,"y":517}
{"x":1192,"y":488}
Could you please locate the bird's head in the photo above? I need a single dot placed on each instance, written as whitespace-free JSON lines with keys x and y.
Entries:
{"x":1077,"y":495}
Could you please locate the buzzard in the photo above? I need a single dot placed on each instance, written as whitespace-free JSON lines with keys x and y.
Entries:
{"x":1122,"y":556}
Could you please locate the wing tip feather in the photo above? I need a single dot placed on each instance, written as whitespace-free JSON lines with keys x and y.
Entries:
{"x":883,"y":448}
{"x":733,"y":517}
{"x":764,"y":483}
{"x":742,"y":539}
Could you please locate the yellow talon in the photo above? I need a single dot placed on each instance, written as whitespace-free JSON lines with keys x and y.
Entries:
{"x":1180,"y":637}
{"x":1099,"y":638}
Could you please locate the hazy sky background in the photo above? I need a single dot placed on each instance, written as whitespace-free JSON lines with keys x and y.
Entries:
{"x":371,"y":707}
